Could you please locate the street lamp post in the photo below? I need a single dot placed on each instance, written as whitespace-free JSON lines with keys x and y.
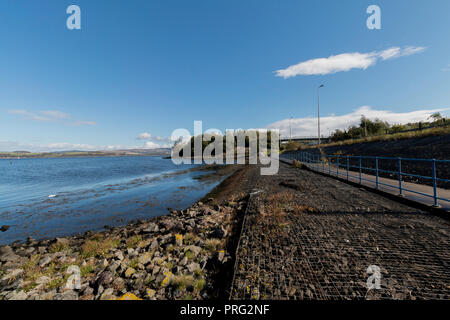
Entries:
{"x":290,"y":130}
{"x":318,"y":111}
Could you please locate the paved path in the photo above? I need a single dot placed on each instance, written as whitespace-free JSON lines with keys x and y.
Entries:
{"x":307,"y":236}
{"x":388,"y":185}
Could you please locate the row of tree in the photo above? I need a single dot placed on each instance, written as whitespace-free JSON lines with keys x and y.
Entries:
{"x":368,"y":127}
{"x":241,"y":136}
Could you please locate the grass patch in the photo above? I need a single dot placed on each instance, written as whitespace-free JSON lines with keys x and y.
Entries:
{"x":134,"y":263}
{"x":198,"y":272}
{"x":168,"y":265}
{"x":183,"y":282}
{"x":58,"y":247}
{"x":189,"y":255}
{"x":56,"y":283}
{"x":86,"y":270}
{"x":199,"y":284}
{"x":98,"y":246}
{"x":297,"y":164}
{"x":133,"y":241}
{"x":190,"y":238}
{"x":31,"y":270}
{"x":212,"y":244}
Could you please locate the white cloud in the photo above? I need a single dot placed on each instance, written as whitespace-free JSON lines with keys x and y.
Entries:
{"x":49,"y":116}
{"x":144,"y":136}
{"x":345,"y":62}
{"x":447,"y":68}
{"x":307,"y":127}
{"x":151,"y":145}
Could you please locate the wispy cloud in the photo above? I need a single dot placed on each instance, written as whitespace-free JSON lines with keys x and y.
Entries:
{"x":148,"y":136}
{"x":345,"y":62}
{"x":84,"y":123}
{"x":144,"y":136}
{"x":50,"y":116}
{"x":307,"y":127}
{"x":447,"y":68}
{"x":46,"y":115}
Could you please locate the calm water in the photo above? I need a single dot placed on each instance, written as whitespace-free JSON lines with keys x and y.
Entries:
{"x":45,"y":198}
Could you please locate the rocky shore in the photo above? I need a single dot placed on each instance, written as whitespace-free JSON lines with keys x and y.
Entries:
{"x":184,"y":255}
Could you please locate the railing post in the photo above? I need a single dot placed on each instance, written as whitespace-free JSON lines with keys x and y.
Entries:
{"x":400,"y":176}
{"x":376,"y":170}
{"x":435,"y":197}
{"x":348,"y":166}
{"x":360,"y":170}
{"x":337,"y":169}
{"x":329,"y":166}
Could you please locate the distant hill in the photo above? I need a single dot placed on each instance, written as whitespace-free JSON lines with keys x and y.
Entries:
{"x":78,"y":153}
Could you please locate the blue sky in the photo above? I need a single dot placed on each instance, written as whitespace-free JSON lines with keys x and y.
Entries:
{"x":154,"y":66}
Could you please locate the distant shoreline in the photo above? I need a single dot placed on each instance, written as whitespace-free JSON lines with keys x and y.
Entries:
{"x":81,"y":154}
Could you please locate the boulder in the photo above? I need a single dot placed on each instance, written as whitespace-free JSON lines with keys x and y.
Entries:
{"x":145,"y":258}
{"x":67,"y":295}
{"x":44,"y":261}
{"x":103,"y":279}
{"x":12,"y":274}
{"x":194,"y":249}
{"x":192,"y":267}
{"x":118,"y":255}
{"x":16,"y":295}
{"x":151,"y":227}
{"x":108,"y":294}
{"x":129,"y":272}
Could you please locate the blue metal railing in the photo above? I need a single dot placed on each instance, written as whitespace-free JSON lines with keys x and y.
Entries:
{"x":336,"y":162}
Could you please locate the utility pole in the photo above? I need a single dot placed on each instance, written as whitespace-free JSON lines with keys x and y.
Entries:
{"x":318,"y":112}
{"x":290,"y":130}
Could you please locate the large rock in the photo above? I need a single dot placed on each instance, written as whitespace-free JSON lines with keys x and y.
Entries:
{"x":12,"y":274}
{"x":62,"y":241}
{"x":103,"y":279}
{"x":113,"y":266}
{"x":194,"y":249}
{"x":145,"y":258}
{"x":67,"y":295}
{"x":108,"y":294}
{"x":43,"y":280}
{"x":119,"y":255}
{"x":129,"y":272}
{"x":192,"y":267}
{"x":7,"y":255}
{"x":16,"y":295}
{"x":154,"y":245}
{"x":152,"y":227}
{"x":45,"y":261}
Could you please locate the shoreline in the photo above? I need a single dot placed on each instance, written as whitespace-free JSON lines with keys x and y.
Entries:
{"x":174,"y":256}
